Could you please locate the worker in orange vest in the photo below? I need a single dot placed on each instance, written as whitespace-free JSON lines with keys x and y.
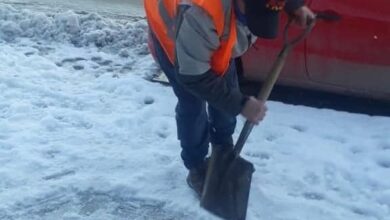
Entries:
{"x":195,"y":43}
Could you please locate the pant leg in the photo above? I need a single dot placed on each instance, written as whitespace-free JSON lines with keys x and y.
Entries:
{"x":191,"y":115}
{"x":222,"y":125}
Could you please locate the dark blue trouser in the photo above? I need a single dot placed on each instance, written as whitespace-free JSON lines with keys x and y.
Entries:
{"x":196,"y":126}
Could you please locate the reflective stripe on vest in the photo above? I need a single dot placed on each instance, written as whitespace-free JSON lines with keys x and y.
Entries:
{"x":161,"y":19}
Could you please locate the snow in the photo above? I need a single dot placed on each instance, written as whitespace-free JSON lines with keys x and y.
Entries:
{"x":84,"y":136}
{"x":112,"y":7}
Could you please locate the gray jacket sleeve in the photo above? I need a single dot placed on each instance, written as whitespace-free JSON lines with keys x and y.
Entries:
{"x":196,"y":40}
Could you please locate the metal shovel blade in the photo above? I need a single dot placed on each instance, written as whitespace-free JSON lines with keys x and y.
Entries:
{"x":227,"y":188}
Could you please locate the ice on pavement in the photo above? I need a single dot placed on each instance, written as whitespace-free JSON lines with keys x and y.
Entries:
{"x":84,"y":136}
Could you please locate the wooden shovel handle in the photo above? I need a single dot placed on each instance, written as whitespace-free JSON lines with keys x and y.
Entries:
{"x":278,"y":65}
{"x":271,"y":79}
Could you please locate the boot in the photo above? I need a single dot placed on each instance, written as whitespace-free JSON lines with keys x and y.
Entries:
{"x":196,"y":178}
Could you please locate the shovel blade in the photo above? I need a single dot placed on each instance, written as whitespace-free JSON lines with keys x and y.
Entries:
{"x":227,"y":187}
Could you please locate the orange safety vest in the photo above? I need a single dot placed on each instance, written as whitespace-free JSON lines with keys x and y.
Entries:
{"x":221,"y":57}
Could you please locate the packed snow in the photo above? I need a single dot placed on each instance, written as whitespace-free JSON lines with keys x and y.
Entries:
{"x":83,"y":135}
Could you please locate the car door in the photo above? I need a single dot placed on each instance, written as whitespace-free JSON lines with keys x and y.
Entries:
{"x":351,"y":51}
{"x":258,"y":60}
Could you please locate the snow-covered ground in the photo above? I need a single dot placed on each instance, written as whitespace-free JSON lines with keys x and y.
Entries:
{"x":84,"y":136}
{"x":108,"y":7}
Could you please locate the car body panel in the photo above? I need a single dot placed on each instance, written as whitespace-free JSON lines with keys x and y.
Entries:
{"x":354,"y":51}
{"x":350,"y":55}
{"x":257,"y":61}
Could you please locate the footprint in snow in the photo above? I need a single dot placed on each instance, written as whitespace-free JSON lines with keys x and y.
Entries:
{"x":78,"y":67}
{"x":71,"y":61}
{"x":127,"y":68}
{"x":356,"y":149}
{"x":385,"y":147}
{"x":110,"y":70}
{"x":364,"y":212}
{"x":27,"y":54}
{"x":384,"y":163}
{"x":271,"y":137}
{"x":299,"y":128}
{"x":97,"y":75}
{"x":163,"y":134}
{"x":96,"y":59}
{"x":124,"y":53}
{"x":313,"y":196}
{"x":163,"y":131}
{"x":50,"y":154}
{"x":104,"y":62}
{"x":148,"y":100}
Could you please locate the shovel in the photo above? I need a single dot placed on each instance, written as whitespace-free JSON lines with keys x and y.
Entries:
{"x":228,"y":179}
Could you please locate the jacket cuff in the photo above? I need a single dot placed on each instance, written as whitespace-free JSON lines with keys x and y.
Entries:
{"x":292,"y":5}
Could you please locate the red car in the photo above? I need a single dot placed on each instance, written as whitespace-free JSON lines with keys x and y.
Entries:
{"x":348,"y":54}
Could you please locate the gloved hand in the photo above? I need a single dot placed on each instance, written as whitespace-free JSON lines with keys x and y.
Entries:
{"x":302,"y":16}
{"x":254,"y":110}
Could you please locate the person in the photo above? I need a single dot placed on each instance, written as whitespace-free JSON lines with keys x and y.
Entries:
{"x":195,"y":43}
